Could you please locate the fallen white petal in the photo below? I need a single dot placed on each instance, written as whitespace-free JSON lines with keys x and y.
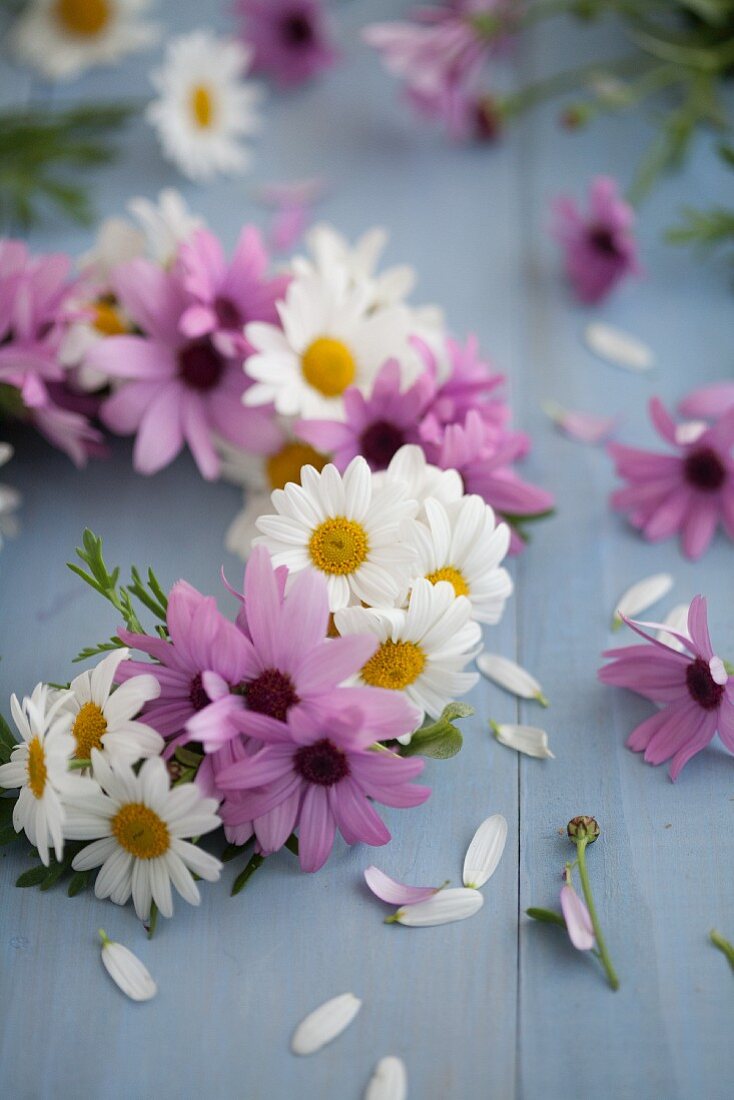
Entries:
{"x":510,"y":676}
{"x":485,"y":851}
{"x":528,"y":739}
{"x":718,"y":671}
{"x":127,"y":971}
{"x":443,"y":908}
{"x":689,"y":431}
{"x":325,"y":1023}
{"x":618,"y":348}
{"x":677,"y":620}
{"x":389,"y":1081}
{"x":640,"y":596}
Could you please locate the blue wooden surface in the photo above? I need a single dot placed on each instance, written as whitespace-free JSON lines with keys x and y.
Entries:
{"x":493,"y":1007}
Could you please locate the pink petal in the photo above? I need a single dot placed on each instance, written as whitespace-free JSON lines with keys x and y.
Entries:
{"x":396,"y":893}
{"x":577,"y":918}
{"x":317,"y":829}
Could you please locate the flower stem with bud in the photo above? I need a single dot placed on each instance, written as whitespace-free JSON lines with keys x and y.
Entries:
{"x":584,"y":831}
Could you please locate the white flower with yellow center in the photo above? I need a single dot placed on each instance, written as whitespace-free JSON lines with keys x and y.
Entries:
{"x":337,"y":526}
{"x":204,"y":106}
{"x":63,"y":38}
{"x":39,"y":767}
{"x":423,"y":649}
{"x":463,"y":544}
{"x":103,"y":717}
{"x":328,"y":340}
{"x":138,"y":825}
{"x":409,"y":466}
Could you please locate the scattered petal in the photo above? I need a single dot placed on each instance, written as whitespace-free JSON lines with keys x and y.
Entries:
{"x":582,"y":426}
{"x":689,"y":431}
{"x":511,"y":676}
{"x":676,"y":620}
{"x":396,"y":893}
{"x":618,"y":347}
{"x":443,"y":908}
{"x":389,"y":1081}
{"x":640,"y":596}
{"x":324,"y":1024}
{"x":578,"y":921}
{"x":526,"y":739}
{"x":485,"y":851}
{"x":126,"y":970}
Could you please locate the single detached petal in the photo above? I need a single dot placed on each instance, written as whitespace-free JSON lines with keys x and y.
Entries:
{"x":389,"y":1081}
{"x":677,"y":621}
{"x":510,"y":676}
{"x":325,"y":1023}
{"x":618,"y":348}
{"x":578,"y":921}
{"x":640,"y":596}
{"x":526,"y":739}
{"x":393,"y":892}
{"x":443,"y":908}
{"x":485,"y":851}
{"x":583,"y":427}
{"x":127,"y":971}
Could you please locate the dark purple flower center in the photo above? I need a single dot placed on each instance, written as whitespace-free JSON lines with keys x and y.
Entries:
{"x":200,"y":365}
{"x":321,"y":763}
{"x":702,"y":687}
{"x":228,"y":314}
{"x":197,"y":696}
{"x":704,"y":469}
{"x":297,"y":29}
{"x":602,"y":239}
{"x":380,"y":442}
{"x":271,"y":693}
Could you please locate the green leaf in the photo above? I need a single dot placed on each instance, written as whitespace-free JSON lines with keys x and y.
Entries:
{"x":546,"y":916}
{"x":188,"y":758}
{"x":7,"y":741}
{"x":78,"y":883}
{"x":102,"y":647}
{"x":244,"y":877}
{"x":440,"y":740}
{"x":8,"y":834}
{"x":152,"y":920}
{"x":292,"y":844}
{"x":55,"y":872}
{"x":33,"y":877}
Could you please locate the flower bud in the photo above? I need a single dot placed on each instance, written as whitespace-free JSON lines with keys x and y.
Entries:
{"x":583,"y":828}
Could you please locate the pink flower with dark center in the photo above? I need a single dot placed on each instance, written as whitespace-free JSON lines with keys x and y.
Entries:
{"x":470,"y":385}
{"x":291,"y":39}
{"x":465,"y":114}
{"x":599,"y":247}
{"x":690,"y":491}
{"x":64,"y":419}
{"x":708,"y":402}
{"x":693,"y":688}
{"x":178,"y":388}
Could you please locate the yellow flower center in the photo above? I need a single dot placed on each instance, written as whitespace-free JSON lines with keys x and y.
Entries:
{"x":85,"y":18}
{"x":453,"y":576}
{"x":89,"y":727}
{"x":140,"y":831}
{"x":394,"y":665}
{"x":328,"y":366}
{"x":36,"y":767}
{"x":338,"y":545}
{"x":285,"y":465}
{"x":107,"y":319}
{"x":202,"y":106}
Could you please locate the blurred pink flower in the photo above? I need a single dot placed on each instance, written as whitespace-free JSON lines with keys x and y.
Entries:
{"x":290,"y":39}
{"x":708,"y":402}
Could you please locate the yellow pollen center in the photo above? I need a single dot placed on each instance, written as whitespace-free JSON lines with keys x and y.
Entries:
{"x":285,"y":465}
{"x":202,"y":106}
{"x":140,"y":831}
{"x":338,"y":546}
{"x":394,"y":665}
{"x":36,"y":767}
{"x":107,"y":320}
{"x":328,"y":366}
{"x":85,"y":18}
{"x":453,"y":576}
{"x":89,"y":727}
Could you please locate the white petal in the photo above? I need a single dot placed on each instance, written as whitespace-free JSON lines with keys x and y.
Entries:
{"x":677,"y":620}
{"x":528,"y":739}
{"x":642,"y":595}
{"x":443,"y":908}
{"x":718,"y":671}
{"x":485,"y":851}
{"x":689,"y":431}
{"x":511,"y":676}
{"x":127,"y":972}
{"x":618,"y":348}
{"x":389,"y":1081}
{"x":325,"y":1023}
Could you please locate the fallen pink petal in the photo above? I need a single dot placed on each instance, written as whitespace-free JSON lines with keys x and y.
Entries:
{"x":577,"y":918}
{"x":393,"y":892}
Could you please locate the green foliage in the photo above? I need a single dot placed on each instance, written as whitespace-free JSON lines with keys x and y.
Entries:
{"x":244,"y":877}
{"x":46,"y":877}
{"x":7,"y":741}
{"x":704,"y":228}
{"x":441,"y":739}
{"x":546,"y":916}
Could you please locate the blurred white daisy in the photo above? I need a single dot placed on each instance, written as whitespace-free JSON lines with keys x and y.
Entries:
{"x":166,"y":223}
{"x":409,"y":466}
{"x":204,"y":106}
{"x":138,"y":825}
{"x":9,"y":499}
{"x":63,"y":38}
{"x":103,"y":716}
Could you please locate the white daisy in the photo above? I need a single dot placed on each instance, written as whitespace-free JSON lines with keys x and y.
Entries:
{"x":9,"y":499}
{"x":336,"y":525}
{"x":423,"y":649}
{"x":204,"y":107}
{"x":39,"y":767}
{"x":138,"y":824}
{"x":63,"y":38}
{"x":103,"y":716}
{"x":328,"y":340}
{"x":166,"y":223}
{"x":423,"y":480}
{"x":463,"y":544}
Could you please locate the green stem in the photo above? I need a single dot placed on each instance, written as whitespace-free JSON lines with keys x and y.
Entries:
{"x":723,"y":945}
{"x":589,"y":898}
{"x":556,"y":85}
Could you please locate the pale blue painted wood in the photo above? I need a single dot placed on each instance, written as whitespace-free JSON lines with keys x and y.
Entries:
{"x":477,"y":1009}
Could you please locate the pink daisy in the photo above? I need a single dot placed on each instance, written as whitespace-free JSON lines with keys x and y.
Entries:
{"x":470,"y":384}
{"x":290,"y":38}
{"x":690,"y":491}
{"x":693,"y":688}
{"x":176,"y":389}
{"x":600,"y":248}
